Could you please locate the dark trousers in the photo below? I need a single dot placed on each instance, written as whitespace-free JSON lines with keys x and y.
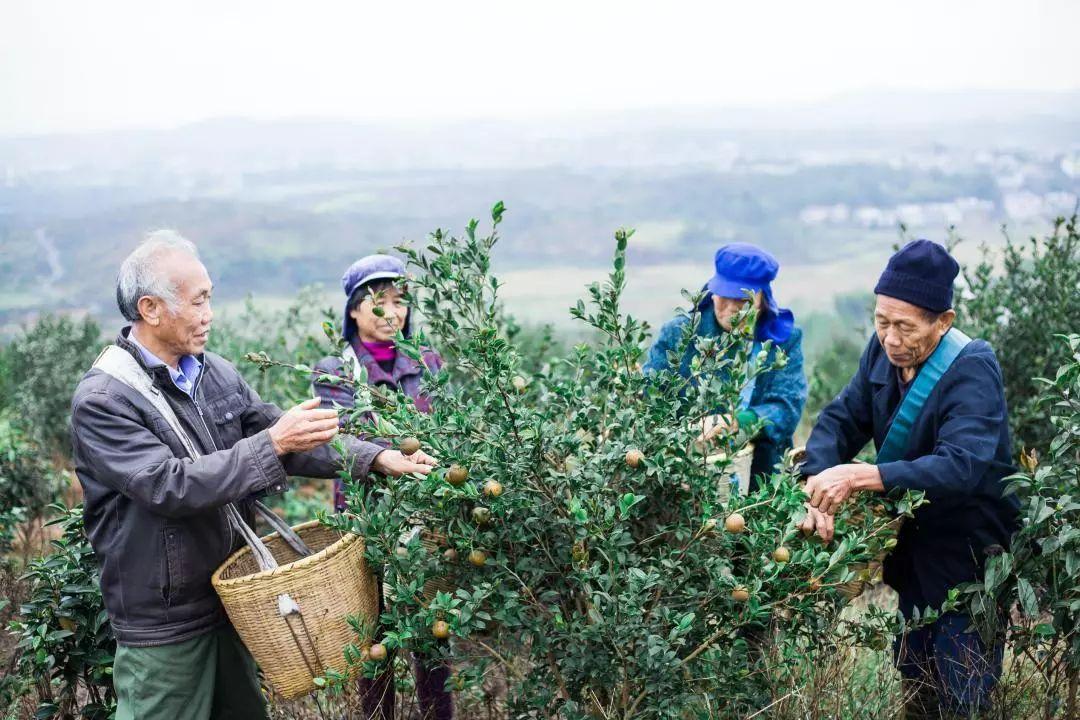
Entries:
{"x":377,"y":693}
{"x":946,"y":665}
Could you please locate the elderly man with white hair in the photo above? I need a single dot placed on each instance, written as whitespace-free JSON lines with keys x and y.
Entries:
{"x":157,"y":505}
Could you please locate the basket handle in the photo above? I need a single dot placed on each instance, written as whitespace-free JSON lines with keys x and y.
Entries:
{"x":287,"y":533}
{"x":262,"y":554}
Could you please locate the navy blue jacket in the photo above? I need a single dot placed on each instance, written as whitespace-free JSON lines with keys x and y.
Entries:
{"x":778,"y":397}
{"x":958,"y":453}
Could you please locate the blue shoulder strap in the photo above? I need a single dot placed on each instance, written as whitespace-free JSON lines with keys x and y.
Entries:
{"x":940,"y":361}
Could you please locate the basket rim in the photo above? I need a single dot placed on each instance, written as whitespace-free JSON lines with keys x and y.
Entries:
{"x":346,"y":539}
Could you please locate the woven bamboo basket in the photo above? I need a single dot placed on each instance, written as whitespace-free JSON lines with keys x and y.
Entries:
{"x":434,"y":542}
{"x":328,"y":586}
{"x":737,"y":474}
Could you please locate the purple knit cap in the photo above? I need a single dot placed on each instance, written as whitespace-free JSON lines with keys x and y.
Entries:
{"x":359,"y":274}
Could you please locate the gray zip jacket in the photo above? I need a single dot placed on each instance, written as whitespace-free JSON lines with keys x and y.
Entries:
{"x":153,"y":515}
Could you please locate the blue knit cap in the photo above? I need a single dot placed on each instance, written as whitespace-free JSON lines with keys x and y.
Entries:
{"x":742,"y":268}
{"x":921,"y":273}
{"x":360,"y":273}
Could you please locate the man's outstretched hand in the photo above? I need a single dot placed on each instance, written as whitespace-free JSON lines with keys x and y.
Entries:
{"x":392,"y":462}
{"x":830,"y":489}
{"x":817,"y":522}
{"x":304,"y":427}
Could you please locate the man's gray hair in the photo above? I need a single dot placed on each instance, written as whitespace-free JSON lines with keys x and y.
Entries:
{"x":141,"y":274}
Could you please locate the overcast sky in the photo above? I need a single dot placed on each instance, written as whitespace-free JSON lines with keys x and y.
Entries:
{"x":71,"y":66}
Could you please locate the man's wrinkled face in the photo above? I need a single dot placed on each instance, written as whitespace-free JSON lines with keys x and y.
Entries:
{"x":726,"y":309}
{"x":185,"y":328}
{"x":906,"y":332}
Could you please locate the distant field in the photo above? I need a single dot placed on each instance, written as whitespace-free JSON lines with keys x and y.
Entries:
{"x":544,"y":295}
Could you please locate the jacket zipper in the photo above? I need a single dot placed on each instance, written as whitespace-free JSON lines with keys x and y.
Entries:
{"x":194,"y":394}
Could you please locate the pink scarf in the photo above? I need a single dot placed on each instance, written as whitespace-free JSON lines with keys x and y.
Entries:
{"x":380,"y":351}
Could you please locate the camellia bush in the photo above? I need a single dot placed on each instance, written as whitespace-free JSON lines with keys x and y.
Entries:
{"x":65,"y":644}
{"x":1032,"y":592}
{"x":575,"y":539}
{"x":29,"y":482}
{"x":1019,"y":301}
{"x":40,"y":369}
{"x":291,"y":332}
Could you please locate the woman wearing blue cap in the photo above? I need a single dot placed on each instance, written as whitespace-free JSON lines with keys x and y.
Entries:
{"x":777,"y":396}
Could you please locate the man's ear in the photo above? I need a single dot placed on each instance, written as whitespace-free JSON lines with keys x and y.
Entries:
{"x":946,"y":320}
{"x":150,"y":309}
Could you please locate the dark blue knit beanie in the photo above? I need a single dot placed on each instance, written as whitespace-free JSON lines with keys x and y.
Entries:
{"x":921,"y":273}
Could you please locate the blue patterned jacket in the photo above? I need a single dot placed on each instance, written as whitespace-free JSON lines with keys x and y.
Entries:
{"x":778,"y":397}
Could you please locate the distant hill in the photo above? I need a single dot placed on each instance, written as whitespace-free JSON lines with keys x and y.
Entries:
{"x":275,"y":206}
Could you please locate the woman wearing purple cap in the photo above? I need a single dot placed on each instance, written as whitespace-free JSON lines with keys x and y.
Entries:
{"x":375,"y":312}
{"x":776,"y":396}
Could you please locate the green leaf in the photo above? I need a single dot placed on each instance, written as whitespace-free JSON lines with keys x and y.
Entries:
{"x":1044,"y":630}
{"x":1027,"y":597}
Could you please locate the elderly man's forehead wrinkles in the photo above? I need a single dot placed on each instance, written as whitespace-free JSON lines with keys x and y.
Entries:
{"x":896,"y":312}
{"x":191,"y":279}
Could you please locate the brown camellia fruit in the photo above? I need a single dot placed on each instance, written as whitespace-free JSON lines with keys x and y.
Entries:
{"x":815,"y":584}
{"x":734,"y":523}
{"x":457,"y":475}
{"x":450,"y":555}
{"x":740,"y":594}
{"x":634,"y":457}
{"x":409,"y":445}
{"x":377,"y":652}
{"x":520,"y":384}
{"x":781,"y":554}
{"x":481,"y":515}
{"x":477,"y":557}
{"x":440,"y":629}
{"x":493,"y":488}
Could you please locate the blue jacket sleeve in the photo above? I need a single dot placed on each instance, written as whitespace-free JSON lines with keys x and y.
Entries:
{"x":845,"y":425}
{"x":784,"y":395}
{"x":972,"y":414}
{"x":667,"y":340}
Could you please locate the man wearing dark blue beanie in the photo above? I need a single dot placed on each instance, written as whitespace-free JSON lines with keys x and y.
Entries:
{"x":933,"y":403}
